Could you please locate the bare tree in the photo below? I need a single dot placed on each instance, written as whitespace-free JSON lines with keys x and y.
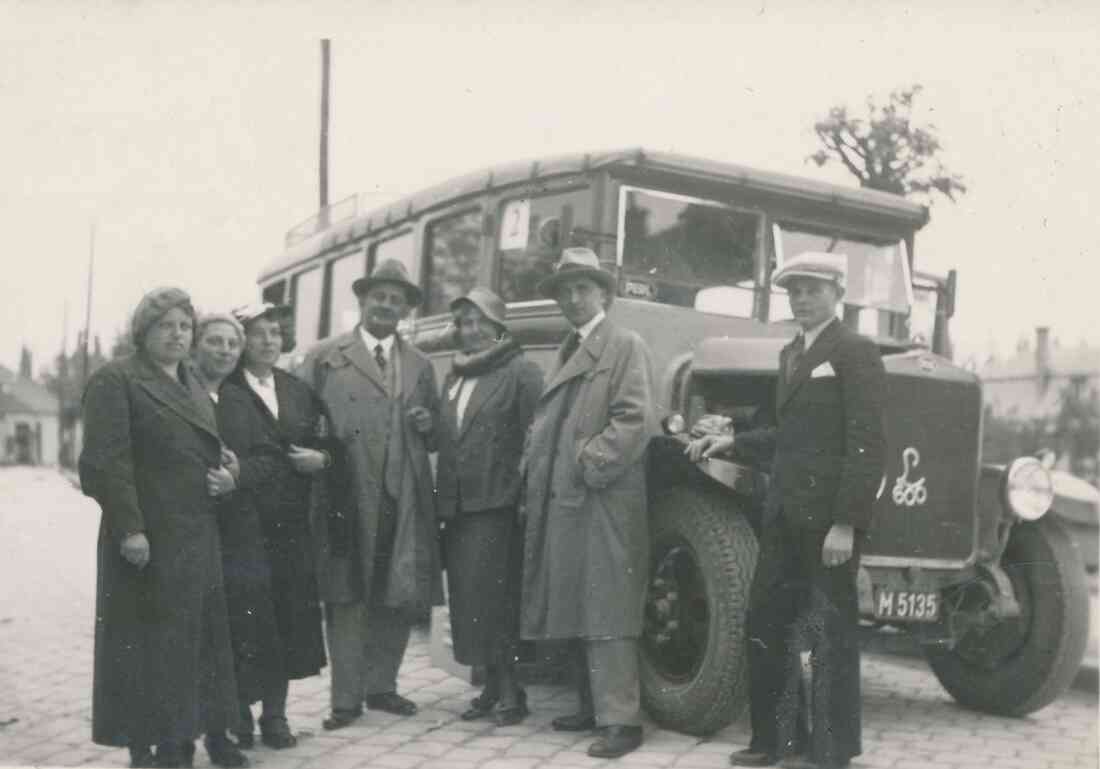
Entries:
{"x":885,"y":151}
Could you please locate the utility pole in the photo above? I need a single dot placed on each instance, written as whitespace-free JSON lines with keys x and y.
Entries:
{"x":88,"y":311}
{"x":323,"y":168}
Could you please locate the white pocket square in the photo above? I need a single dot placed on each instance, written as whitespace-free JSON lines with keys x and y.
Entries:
{"x":825,"y":369}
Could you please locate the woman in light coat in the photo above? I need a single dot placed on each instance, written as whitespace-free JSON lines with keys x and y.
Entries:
{"x":489,"y":398}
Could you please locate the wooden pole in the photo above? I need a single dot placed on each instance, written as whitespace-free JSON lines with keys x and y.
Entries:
{"x":324,"y":125}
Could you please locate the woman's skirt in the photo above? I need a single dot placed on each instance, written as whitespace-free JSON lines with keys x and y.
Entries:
{"x":483,"y":554}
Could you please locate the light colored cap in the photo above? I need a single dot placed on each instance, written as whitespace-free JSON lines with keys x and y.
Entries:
{"x":491,"y":305}
{"x":814,"y":264}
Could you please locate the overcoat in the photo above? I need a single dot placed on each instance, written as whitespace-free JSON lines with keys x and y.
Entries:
{"x":479,"y":460}
{"x":587,"y":537}
{"x":268,"y":558}
{"x":356,"y":395}
{"x":162,"y":650}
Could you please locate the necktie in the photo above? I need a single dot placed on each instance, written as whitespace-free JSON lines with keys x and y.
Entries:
{"x":795,"y":355}
{"x":571,"y":345}
{"x":380,"y":357}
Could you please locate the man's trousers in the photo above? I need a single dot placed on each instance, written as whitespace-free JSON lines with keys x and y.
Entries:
{"x":366,"y":643}
{"x":795,"y":602}
{"x":607,"y":681}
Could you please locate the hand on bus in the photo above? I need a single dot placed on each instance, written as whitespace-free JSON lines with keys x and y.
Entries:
{"x":707,"y":446}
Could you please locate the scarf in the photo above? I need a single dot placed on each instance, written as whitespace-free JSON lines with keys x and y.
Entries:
{"x":478,"y":363}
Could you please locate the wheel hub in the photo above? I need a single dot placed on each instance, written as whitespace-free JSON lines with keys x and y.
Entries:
{"x":676,"y":619}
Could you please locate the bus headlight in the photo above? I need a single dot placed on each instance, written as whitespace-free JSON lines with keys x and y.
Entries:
{"x":1029,"y":489}
{"x":673,"y":424}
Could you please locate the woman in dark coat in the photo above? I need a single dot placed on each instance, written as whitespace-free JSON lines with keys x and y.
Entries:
{"x":488,"y":400}
{"x":275,"y":425}
{"x":152,"y":460}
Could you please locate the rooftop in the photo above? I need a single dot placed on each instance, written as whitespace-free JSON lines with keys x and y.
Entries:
{"x":19,"y":395}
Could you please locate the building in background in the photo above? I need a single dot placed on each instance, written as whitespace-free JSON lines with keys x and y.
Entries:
{"x":1045,"y":397}
{"x":29,"y":421}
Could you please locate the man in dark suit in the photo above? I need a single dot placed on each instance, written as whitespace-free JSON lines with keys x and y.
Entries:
{"x":828,"y":448}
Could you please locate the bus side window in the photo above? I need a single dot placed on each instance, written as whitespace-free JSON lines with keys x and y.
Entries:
{"x":453,"y":251}
{"x":275,"y":293}
{"x":530,"y":238}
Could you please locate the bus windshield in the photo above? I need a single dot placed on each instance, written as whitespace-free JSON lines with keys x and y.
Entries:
{"x":879,"y":285}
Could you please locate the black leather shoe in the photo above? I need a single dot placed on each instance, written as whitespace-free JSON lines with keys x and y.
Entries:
{"x":245,"y":740}
{"x":513,"y":714}
{"x":275,"y":733}
{"x":142,"y":757}
{"x":223,"y":752}
{"x":616,"y":741}
{"x":751,"y":757}
{"x":391,"y":702}
{"x":574,"y":722}
{"x":338,"y":719}
{"x":480,"y":707}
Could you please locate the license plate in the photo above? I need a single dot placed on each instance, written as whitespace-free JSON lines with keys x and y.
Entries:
{"x":907,"y":605}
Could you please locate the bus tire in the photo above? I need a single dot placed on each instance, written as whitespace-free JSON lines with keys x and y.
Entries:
{"x":692,"y":652}
{"x":1024,"y":663}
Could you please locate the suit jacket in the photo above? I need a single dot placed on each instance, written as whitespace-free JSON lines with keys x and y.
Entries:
{"x":360,"y":406}
{"x":587,"y":535}
{"x":828,"y":441}
{"x":478,"y":463}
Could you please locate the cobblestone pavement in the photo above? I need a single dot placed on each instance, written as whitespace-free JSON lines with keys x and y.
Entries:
{"x":47,"y":570}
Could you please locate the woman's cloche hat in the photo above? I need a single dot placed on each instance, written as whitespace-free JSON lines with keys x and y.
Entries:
{"x":491,"y":305}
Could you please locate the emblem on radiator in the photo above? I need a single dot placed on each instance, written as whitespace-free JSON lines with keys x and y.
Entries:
{"x":906,"y":492}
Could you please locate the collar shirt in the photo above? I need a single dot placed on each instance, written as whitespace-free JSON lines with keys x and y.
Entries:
{"x":372,"y":342}
{"x":462,"y":389}
{"x":812,"y":335}
{"x":587,"y":328}
{"x":265,"y":388}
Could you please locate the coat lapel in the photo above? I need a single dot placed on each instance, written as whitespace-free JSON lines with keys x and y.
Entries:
{"x":818,"y":353}
{"x":486,"y":385}
{"x":583,"y":359}
{"x":187,"y":400}
{"x":355,"y":350}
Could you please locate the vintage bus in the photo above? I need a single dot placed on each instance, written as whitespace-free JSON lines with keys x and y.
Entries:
{"x":694,"y":244}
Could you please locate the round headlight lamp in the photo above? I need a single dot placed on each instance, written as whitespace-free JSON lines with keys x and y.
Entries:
{"x":1029,"y":489}
{"x":674,"y":424}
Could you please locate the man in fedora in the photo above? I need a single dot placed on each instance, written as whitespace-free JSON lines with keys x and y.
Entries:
{"x":828,"y":446}
{"x":378,"y":568}
{"x":587,"y":539}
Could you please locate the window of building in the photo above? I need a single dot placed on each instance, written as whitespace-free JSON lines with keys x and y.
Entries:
{"x":531,"y":238}
{"x":344,"y":305}
{"x":675,"y":249}
{"x":306,"y":300}
{"x":453,"y":247}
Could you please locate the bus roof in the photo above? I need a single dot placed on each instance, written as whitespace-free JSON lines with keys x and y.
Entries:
{"x":507,"y":174}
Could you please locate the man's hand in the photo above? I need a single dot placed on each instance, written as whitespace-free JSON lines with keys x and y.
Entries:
{"x":219,"y":481}
{"x":231,"y":463}
{"x":838,"y":545}
{"x":421,"y":419}
{"x":707,"y":446}
{"x":307,"y":461}
{"x":135,"y":549}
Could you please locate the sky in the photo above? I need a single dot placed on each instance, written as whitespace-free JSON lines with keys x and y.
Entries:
{"x":186,"y":133}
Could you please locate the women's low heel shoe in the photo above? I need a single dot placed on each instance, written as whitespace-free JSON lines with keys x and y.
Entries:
{"x":480,"y":707}
{"x":276,"y":734}
{"x":508,"y":716}
{"x":223,"y":752}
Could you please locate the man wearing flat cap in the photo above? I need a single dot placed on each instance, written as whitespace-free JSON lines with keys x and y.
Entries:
{"x":378,"y":561}
{"x":828,"y":449}
{"x":587,"y":538}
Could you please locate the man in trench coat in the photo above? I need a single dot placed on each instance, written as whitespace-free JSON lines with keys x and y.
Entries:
{"x":378,"y":560}
{"x":828,"y":447}
{"x":587,"y":538}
